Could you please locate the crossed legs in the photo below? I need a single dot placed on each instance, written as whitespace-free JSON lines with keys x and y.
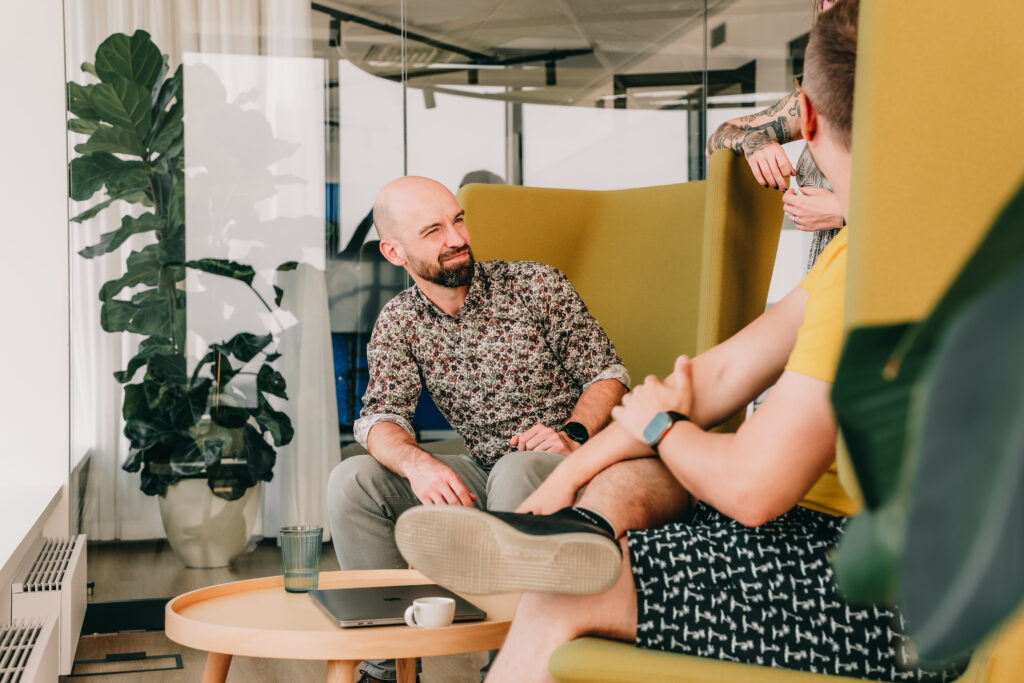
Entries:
{"x":631,"y":495}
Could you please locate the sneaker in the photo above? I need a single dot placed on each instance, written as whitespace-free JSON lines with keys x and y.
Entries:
{"x":476,"y":552}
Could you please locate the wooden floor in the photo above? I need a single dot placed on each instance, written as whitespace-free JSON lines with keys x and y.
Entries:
{"x":454,"y":669}
{"x":134,"y":571}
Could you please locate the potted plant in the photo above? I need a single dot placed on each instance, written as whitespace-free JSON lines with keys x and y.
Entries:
{"x":181,"y":424}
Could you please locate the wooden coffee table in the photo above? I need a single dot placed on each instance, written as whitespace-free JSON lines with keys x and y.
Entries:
{"x":258,"y":618}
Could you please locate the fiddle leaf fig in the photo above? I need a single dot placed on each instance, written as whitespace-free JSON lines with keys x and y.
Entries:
{"x":177,"y":425}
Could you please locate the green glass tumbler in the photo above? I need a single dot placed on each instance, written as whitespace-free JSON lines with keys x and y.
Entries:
{"x":300,"y":551}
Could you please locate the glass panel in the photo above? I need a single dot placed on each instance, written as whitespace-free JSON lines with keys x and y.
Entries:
{"x":203,"y":280}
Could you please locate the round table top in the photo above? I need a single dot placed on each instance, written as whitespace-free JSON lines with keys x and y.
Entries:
{"x":258,"y":618}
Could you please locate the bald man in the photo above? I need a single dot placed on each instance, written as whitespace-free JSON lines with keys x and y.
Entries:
{"x":510,"y":356}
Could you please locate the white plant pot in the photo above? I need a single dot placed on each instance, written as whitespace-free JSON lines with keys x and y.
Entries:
{"x":205,"y":531}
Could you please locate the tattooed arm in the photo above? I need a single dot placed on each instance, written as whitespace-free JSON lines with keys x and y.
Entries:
{"x":759,"y":137}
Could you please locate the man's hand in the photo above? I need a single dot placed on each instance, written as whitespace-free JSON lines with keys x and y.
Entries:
{"x":435,"y":483}
{"x":551,"y":496}
{"x":768,"y":161}
{"x":543,"y":438}
{"x":816,"y":209}
{"x":655,"y":396}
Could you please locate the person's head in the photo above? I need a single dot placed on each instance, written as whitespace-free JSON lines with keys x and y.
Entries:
{"x":423,"y":229}
{"x":826,"y":97}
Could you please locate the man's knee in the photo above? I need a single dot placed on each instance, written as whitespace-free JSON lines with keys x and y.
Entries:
{"x":356,"y":482}
{"x":516,"y":476}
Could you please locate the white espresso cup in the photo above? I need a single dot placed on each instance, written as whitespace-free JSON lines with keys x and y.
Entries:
{"x":430,"y":612}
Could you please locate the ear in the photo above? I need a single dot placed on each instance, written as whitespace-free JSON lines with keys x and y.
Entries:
{"x":392,"y":251}
{"x":810,"y":125}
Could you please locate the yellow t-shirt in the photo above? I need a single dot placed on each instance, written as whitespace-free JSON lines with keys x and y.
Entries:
{"x":816,"y":354}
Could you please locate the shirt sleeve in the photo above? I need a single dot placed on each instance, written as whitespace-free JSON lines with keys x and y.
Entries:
{"x":394,"y":387}
{"x":576,"y":338}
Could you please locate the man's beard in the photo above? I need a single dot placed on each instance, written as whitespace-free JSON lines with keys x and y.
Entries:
{"x":457,"y":275}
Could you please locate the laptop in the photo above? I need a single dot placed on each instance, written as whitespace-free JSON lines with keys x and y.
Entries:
{"x":386,"y":605}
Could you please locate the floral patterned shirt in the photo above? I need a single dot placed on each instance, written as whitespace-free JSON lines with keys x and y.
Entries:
{"x":520,"y":352}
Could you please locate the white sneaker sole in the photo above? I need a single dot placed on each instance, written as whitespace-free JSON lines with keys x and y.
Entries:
{"x":470,"y":551}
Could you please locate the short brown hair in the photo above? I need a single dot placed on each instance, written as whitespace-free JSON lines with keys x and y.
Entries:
{"x":830,"y":63}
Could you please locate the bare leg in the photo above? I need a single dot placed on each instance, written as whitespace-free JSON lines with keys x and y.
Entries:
{"x":636,"y":494}
{"x":544,"y":621}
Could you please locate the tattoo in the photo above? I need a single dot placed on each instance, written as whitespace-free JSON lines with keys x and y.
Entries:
{"x":746,"y":137}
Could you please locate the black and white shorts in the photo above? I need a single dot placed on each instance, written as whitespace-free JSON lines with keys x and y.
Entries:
{"x":712,"y":587}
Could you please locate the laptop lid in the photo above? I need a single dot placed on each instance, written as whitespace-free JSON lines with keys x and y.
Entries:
{"x":386,"y":605}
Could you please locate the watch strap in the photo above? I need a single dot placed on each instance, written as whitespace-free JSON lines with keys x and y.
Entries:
{"x":576,"y":431}
{"x":673,"y":418}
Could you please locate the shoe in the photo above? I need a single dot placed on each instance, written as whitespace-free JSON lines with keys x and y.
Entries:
{"x":476,"y":552}
{"x":367,"y":678}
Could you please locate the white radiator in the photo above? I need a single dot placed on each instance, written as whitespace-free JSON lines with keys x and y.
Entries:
{"x":28,"y":652}
{"x":52,"y":583}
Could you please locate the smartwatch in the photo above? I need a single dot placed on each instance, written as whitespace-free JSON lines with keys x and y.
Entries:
{"x":576,"y":431}
{"x":659,"y":425}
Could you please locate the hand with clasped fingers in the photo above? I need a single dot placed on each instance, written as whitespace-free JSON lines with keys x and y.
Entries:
{"x":543,"y":438}
{"x":434,"y":483}
{"x":655,"y":396}
{"x":815,"y":209}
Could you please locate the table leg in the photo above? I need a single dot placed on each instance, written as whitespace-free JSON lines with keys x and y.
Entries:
{"x":341,"y":671}
{"x":406,"y":670}
{"x":216,"y":668}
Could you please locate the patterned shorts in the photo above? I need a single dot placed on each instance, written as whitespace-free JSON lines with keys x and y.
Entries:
{"x":712,"y":587}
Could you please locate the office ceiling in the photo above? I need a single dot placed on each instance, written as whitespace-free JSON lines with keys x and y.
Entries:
{"x":546,"y":51}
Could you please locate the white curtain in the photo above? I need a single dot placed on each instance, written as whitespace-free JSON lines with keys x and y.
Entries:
{"x":114,"y":508}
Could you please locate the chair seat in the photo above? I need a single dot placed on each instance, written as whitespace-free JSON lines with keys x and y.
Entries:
{"x":594,"y":660}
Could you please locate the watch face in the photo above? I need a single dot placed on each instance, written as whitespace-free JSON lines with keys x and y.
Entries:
{"x":576,"y":432}
{"x":655,"y":428}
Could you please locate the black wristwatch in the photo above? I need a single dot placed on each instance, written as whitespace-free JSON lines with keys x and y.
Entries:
{"x":659,"y":426}
{"x":576,"y":431}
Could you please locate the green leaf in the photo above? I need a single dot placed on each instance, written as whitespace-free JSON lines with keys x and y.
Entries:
{"x":116,"y":316}
{"x":257,"y":453}
{"x":78,"y":101}
{"x":114,"y":140}
{"x":84,"y":126}
{"x":287,"y":265}
{"x":170,"y":138}
{"x":167,"y":91}
{"x":123,"y":104}
{"x":148,"y":348}
{"x":871,"y":407}
{"x":143,"y":268}
{"x":224,"y":268}
{"x":278,"y":295}
{"x":244,"y":346}
{"x":276,"y":423}
{"x":130,"y":225}
{"x":963,"y":557}
{"x":229,"y":416}
{"x":167,"y":368}
{"x":90,"y":173}
{"x":132,"y":196}
{"x":270,"y":381}
{"x":135,"y":59}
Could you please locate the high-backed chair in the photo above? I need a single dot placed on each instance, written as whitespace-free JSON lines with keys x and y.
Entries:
{"x":928,"y":180}
{"x":666,"y":270}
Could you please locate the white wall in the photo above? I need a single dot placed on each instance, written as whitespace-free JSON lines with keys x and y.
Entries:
{"x":34,"y":349}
